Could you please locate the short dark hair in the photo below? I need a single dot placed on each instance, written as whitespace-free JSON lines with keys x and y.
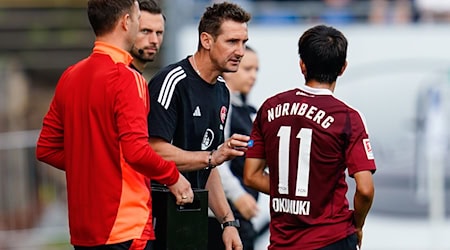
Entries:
{"x":216,"y":14}
{"x":150,"y":6}
{"x":104,"y":14}
{"x":323,"y":49}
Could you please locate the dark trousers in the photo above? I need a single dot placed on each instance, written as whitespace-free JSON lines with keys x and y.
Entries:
{"x":246,"y":232}
{"x":348,"y":243}
{"x":119,"y":246}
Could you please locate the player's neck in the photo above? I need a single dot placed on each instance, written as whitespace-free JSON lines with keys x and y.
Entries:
{"x":320,"y":85}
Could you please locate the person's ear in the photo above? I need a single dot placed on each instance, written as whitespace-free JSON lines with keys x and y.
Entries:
{"x":206,"y":40}
{"x":343,"y":68}
{"x":125,"y":21}
{"x":302,"y":67}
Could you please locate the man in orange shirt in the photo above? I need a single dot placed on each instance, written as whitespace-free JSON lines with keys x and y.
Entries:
{"x":96,"y":131}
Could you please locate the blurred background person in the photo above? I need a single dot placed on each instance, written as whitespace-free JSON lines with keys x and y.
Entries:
{"x":243,"y":200}
{"x":392,"y":11}
{"x":337,"y":12}
{"x":434,"y":11}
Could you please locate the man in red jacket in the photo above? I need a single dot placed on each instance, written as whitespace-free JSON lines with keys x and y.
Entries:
{"x":96,"y":131}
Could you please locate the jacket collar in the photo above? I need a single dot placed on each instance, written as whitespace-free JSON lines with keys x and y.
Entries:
{"x":118,"y":55}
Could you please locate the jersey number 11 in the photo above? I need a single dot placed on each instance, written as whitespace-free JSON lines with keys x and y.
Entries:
{"x":304,"y":136}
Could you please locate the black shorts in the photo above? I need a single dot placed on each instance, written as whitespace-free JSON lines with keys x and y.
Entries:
{"x":348,"y":243}
{"x":119,"y":246}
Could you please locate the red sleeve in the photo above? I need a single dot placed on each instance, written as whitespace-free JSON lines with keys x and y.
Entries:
{"x":50,"y":145}
{"x":359,"y":153}
{"x":131,"y":108}
{"x":258,"y":148}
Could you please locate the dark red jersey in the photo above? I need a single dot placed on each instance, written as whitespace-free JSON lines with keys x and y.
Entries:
{"x":309,"y":139}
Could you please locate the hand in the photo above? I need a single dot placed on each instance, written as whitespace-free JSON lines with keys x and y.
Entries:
{"x":231,"y":239}
{"x":234,"y":146}
{"x":182,"y":191}
{"x":247,"y":206}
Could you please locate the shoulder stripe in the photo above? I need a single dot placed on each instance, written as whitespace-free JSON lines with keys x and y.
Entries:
{"x":168,"y":86}
{"x":141,"y":85}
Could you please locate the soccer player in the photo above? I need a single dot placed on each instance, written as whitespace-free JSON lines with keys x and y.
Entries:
{"x":308,"y":138}
{"x":96,"y":131}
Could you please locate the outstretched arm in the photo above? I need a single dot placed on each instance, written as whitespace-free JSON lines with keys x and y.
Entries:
{"x":196,"y":160}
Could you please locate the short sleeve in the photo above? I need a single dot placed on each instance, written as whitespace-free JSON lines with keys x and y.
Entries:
{"x":163,"y":115}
